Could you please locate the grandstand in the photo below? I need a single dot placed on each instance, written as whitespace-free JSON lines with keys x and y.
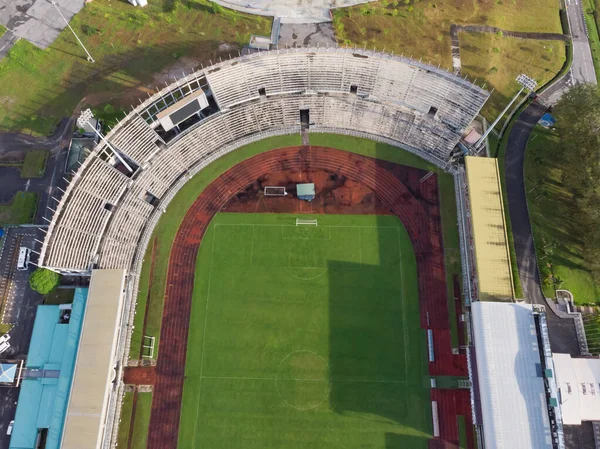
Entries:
{"x":107,"y":214}
{"x":375,"y":95}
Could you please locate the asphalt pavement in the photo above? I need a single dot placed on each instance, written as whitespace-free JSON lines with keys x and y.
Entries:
{"x":582,"y":69}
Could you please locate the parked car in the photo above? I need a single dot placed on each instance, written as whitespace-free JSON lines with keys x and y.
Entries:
{"x":10,"y":427}
{"x":4,"y":346}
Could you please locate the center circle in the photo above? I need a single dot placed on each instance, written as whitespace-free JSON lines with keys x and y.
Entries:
{"x":303,"y":380}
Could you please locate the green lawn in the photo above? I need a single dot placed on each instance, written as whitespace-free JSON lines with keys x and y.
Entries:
{"x":135,"y":49}
{"x":296,"y":328}
{"x":141,"y":420}
{"x":497,"y":60}
{"x":60,"y":296}
{"x":125,"y":424}
{"x":20,"y":210}
{"x":591,"y":325}
{"x":462,"y":432}
{"x":34,"y":165}
{"x":552,"y":211}
{"x":169,"y":223}
{"x":421,"y":29}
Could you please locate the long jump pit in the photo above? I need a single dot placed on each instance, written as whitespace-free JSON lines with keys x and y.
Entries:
{"x":346,"y":183}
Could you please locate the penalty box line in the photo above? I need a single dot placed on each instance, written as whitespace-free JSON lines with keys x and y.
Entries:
{"x":366,"y":381}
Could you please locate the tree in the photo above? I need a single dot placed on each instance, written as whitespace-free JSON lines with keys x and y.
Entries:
{"x":578,"y":121}
{"x":43,"y":280}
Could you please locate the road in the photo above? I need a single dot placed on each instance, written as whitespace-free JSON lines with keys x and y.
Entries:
{"x":582,"y":69}
{"x":562,"y":335}
{"x":21,"y":301}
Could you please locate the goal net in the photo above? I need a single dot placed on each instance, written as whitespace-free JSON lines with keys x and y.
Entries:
{"x":275,"y":191}
{"x":307,"y":222}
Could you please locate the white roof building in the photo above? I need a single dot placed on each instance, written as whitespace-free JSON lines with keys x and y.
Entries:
{"x":510,"y":372}
{"x":579,"y":385}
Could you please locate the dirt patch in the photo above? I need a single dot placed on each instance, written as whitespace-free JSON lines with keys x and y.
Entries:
{"x":139,"y":375}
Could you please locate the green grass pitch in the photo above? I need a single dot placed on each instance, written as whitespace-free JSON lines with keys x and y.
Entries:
{"x":305,"y":337}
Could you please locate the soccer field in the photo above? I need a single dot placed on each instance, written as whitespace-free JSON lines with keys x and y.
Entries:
{"x":305,"y":337}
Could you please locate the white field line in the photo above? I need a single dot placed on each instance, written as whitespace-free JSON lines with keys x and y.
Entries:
{"x":366,"y":381}
{"x":406,"y":338}
{"x":212,"y":251}
{"x":293,"y":226}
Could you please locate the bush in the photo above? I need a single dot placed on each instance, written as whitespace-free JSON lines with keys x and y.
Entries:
{"x":43,"y":280}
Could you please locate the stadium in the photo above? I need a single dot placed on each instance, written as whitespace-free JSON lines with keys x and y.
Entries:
{"x":361,"y":318}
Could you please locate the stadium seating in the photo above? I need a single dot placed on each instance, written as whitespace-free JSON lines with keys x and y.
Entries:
{"x":107,"y":214}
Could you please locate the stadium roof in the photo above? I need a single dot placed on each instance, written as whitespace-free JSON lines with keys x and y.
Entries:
{"x":512,"y":391}
{"x":44,"y":392}
{"x":94,"y":369}
{"x":579,"y":384}
{"x":492,"y":256}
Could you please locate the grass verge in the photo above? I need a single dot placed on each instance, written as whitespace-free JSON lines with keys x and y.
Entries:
{"x":34,"y":165}
{"x":125,"y":423}
{"x":421,"y":29}
{"x":591,"y":325}
{"x":451,"y":246}
{"x":20,"y":210}
{"x":131,"y":46}
{"x":312,"y":348}
{"x":141,"y":421}
{"x":462,"y":432}
{"x":552,"y":213}
{"x":60,"y":296}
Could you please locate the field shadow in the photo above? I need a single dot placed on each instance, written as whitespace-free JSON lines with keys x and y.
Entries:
{"x":376,"y":357}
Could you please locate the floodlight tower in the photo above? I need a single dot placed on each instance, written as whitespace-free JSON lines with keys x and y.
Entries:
{"x":84,"y":118}
{"x":89,"y":57}
{"x":526,"y":83}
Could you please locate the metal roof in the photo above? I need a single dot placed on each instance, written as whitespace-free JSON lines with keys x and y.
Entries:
{"x":512,"y":392}
{"x":94,"y":368}
{"x":579,"y":384}
{"x":43,"y":396}
{"x":492,"y":256}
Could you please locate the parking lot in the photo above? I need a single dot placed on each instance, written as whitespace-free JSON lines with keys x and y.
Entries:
{"x":18,"y":309}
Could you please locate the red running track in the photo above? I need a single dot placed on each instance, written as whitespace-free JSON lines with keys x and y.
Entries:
{"x":417,"y":207}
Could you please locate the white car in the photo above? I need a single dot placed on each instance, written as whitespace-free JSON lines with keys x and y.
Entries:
{"x":4,"y":338}
{"x":10,"y":427}
{"x":4,"y":346}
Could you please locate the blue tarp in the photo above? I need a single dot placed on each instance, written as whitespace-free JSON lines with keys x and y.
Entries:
{"x":547,"y":120}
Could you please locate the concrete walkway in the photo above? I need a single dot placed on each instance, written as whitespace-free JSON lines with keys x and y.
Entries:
{"x":290,"y":11}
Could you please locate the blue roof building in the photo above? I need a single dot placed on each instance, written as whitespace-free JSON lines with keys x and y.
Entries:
{"x":46,"y":386}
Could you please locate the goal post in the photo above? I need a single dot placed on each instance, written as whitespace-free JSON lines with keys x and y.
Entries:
{"x":148,"y":347}
{"x":275,"y":191}
{"x":306,"y":222}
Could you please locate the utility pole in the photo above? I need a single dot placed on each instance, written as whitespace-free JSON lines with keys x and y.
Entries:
{"x":89,"y":56}
{"x":526,"y":83}
{"x":85,"y":118}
